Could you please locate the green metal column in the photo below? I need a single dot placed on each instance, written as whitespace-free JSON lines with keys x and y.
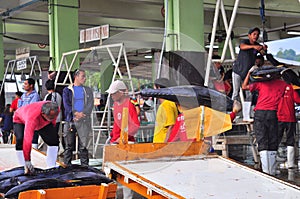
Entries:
{"x":63,"y":29}
{"x":185,"y":25}
{"x":1,"y":51}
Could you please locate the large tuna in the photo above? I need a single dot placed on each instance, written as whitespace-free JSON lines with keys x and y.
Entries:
{"x":44,"y":183}
{"x":192,"y":96}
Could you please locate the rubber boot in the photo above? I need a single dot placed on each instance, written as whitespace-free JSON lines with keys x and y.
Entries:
{"x":84,"y":157}
{"x":291,"y":175}
{"x":290,"y":157}
{"x":264,"y":161}
{"x":20,"y":157}
{"x":51,"y":156}
{"x":272,"y":162}
{"x":246,"y":111}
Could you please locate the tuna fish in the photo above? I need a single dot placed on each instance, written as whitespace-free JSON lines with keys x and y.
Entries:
{"x":44,"y":183}
{"x":192,"y":96}
{"x":85,"y":178}
{"x":52,"y":178}
{"x":18,"y":171}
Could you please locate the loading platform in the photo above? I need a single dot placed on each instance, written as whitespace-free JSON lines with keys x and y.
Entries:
{"x":184,"y":170}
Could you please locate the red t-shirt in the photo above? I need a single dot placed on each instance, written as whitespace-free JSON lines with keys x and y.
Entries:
{"x":286,"y":106}
{"x":178,"y":132}
{"x":14,"y":104}
{"x":30,"y":115}
{"x":133,"y":121}
{"x":270,"y":93}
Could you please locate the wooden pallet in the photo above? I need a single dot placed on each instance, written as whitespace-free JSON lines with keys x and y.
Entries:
{"x":81,"y":192}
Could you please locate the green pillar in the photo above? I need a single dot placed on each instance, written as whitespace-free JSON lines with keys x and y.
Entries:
{"x":185,"y":25}
{"x":1,"y":52}
{"x":63,"y":29}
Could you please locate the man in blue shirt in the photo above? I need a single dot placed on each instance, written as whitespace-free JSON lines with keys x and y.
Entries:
{"x":78,"y":103}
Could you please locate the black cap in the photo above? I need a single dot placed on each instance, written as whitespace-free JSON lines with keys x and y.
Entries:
{"x":254,"y":29}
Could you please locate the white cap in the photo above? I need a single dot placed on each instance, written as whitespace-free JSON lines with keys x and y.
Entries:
{"x":116,"y":86}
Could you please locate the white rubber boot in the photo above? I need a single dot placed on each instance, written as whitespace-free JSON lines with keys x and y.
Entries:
{"x":246,"y":111}
{"x":264,"y":161}
{"x":290,"y":157}
{"x":20,"y":157}
{"x":291,"y":174}
{"x":272,"y":162}
{"x":51,"y":156}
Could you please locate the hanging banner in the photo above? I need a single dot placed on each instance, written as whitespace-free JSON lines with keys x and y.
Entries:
{"x":22,"y":53}
{"x":94,"y":34}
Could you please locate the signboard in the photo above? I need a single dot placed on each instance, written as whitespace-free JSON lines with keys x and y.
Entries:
{"x":22,"y":53}
{"x":21,"y":64}
{"x":94,"y":34}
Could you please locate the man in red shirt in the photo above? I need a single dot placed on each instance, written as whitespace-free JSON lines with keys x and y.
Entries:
{"x":40,"y":117}
{"x":118,"y":94}
{"x":265,"y":118}
{"x":287,"y":121}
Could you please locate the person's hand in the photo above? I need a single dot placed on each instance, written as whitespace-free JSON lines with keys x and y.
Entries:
{"x":79,"y":115}
{"x":265,"y":47}
{"x":28,"y":168}
{"x":253,"y":68}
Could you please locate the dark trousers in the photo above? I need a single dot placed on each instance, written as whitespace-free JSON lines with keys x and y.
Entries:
{"x":266,"y":130}
{"x":48,"y":134}
{"x":82,"y":128}
{"x":290,"y":129}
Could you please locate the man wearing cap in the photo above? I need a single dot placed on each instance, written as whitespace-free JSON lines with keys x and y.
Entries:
{"x":118,"y":92}
{"x":78,"y":103}
{"x":246,"y":59}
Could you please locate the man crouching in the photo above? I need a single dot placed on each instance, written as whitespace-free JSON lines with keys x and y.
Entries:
{"x":40,"y":117}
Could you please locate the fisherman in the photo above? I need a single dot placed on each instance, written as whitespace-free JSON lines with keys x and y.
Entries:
{"x":28,"y":97}
{"x":287,"y":119}
{"x":78,"y":102}
{"x":246,"y":59}
{"x":39,"y":117}
{"x":118,"y":91}
{"x":265,"y":118}
{"x":166,"y":115}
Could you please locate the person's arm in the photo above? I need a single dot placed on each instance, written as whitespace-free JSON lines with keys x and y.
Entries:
{"x":67,"y":102}
{"x":258,"y":47}
{"x":89,"y":105}
{"x":134,"y":120}
{"x":28,"y":136}
{"x":245,"y":85}
{"x":169,"y":130}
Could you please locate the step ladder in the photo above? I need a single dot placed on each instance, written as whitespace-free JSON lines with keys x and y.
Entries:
{"x":111,"y":52}
{"x":12,"y":68}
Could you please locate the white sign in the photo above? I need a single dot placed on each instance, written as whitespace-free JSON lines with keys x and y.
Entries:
{"x":22,"y":53}
{"x":94,"y":34}
{"x":21,"y":64}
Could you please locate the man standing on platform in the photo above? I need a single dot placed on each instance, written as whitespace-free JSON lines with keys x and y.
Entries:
{"x":265,"y":118}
